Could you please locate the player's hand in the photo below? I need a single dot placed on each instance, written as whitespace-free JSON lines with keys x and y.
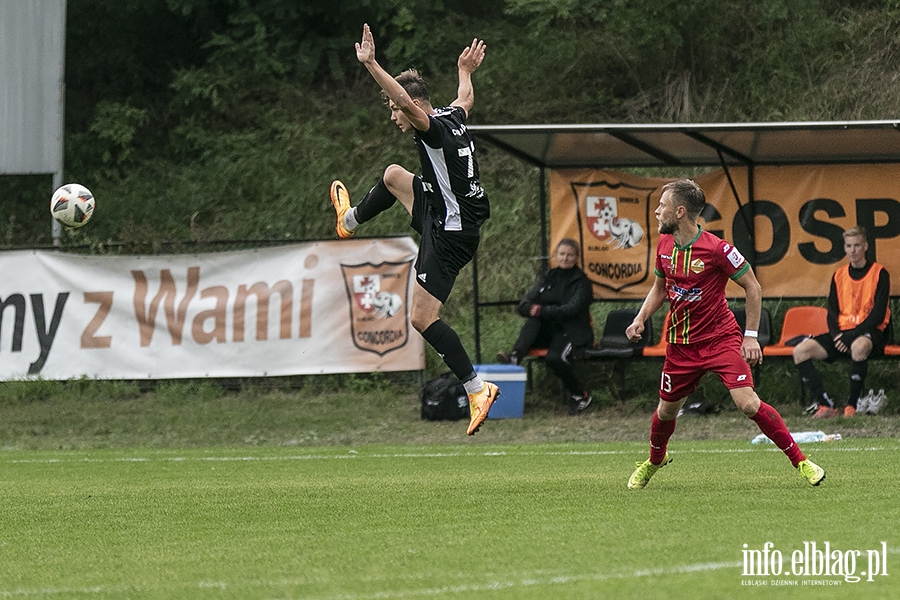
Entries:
{"x":839,"y":343}
{"x":471,"y":57}
{"x":751,"y":351}
{"x":365,"y":50}
{"x":633,"y":332}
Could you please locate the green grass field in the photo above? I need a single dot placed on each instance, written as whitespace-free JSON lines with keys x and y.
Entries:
{"x":467,"y":520}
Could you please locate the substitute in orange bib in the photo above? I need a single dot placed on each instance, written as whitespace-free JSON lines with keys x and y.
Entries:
{"x":858,"y":316}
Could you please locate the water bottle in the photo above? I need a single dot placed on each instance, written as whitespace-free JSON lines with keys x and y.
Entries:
{"x":801,"y":437}
{"x":805,"y":437}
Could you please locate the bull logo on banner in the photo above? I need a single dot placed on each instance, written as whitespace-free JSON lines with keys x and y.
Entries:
{"x":614,"y":225}
{"x":378,"y":297}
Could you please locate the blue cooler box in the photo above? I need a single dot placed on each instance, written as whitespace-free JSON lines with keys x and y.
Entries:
{"x":511,"y":381}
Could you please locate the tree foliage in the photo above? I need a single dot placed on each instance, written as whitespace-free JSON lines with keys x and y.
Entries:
{"x":198,"y":119}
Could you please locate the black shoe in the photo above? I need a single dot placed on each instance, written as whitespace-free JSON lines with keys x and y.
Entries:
{"x":578,"y":403}
{"x":507,"y":359}
{"x":812,"y":408}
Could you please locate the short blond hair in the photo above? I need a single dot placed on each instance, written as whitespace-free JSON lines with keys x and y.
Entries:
{"x":858,"y":231}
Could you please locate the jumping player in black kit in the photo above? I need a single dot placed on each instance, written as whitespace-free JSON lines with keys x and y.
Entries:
{"x":447,"y":204}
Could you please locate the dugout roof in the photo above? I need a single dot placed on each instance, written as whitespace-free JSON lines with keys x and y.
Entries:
{"x":723,"y":145}
{"x":711,"y":144}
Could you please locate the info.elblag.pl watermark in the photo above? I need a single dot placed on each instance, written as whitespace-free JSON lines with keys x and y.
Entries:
{"x":812,"y":564}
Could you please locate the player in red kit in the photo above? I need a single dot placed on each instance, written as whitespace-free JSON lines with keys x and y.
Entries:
{"x":692,"y":268}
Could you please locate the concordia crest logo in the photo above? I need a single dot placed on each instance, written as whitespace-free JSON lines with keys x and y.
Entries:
{"x":378,"y":296}
{"x":613,"y":220}
{"x":604,"y":222}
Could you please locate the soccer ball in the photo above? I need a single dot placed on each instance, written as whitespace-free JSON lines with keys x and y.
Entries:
{"x":72,"y":205}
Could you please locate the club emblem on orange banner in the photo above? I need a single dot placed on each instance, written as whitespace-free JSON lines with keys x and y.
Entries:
{"x":614,"y":225}
{"x":378,"y":301}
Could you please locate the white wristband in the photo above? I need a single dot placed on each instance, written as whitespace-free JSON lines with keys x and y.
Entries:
{"x":751,"y":333}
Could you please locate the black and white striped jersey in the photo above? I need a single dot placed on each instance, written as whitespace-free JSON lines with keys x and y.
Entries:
{"x":450,"y":170}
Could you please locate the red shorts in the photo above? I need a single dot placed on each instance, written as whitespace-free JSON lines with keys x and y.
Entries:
{"x":685,"y":364}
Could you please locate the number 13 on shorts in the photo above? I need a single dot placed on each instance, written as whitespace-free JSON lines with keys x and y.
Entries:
{"x":665,"y":382}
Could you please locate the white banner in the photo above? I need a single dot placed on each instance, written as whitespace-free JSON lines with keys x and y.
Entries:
{"x":325,"y":307}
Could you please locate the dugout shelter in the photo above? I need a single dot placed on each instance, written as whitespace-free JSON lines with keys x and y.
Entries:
{"x":782,"y":192}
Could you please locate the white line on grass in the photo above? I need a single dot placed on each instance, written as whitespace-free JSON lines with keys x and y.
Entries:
{"x":543,"y":582}
{"x":494,"y":585}
{"x":355,"y":454}
{"x":525,"y":582}
{"x":436,"y":591}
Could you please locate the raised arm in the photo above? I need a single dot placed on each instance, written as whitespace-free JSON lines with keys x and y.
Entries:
{"x":365,"y":53}
{"x":468,"y":61}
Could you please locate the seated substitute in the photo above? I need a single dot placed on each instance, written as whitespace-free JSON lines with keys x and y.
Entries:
{"x":858,"y":315}
{"x":557,"y":312}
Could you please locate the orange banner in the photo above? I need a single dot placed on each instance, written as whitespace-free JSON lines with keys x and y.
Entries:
{"x":791,"y":233}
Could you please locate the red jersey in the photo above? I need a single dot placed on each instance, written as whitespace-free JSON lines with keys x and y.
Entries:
{"x":695,"y":276}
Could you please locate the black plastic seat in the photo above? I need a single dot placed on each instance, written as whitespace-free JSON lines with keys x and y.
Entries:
{"x":765,"y":324}
{"x":614,"y":343}
{"x":764,"y":333}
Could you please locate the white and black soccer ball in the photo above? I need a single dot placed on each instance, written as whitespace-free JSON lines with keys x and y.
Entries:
{"x":72,"y":205}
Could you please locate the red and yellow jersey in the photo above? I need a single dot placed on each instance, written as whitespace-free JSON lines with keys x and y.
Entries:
{"x":695,"y":276}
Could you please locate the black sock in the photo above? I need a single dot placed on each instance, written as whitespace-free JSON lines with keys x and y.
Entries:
{"x":378,"y":200}
{"x":811,"y":378}
{"x":858,"y":371}
{"x":444,"y":340}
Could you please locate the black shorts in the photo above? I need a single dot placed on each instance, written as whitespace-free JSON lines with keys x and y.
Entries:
{"x":442,"y":254}
{"x":826,"y":341}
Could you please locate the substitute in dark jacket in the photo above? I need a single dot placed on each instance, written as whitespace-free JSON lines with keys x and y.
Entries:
{"x":558,"y":316}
